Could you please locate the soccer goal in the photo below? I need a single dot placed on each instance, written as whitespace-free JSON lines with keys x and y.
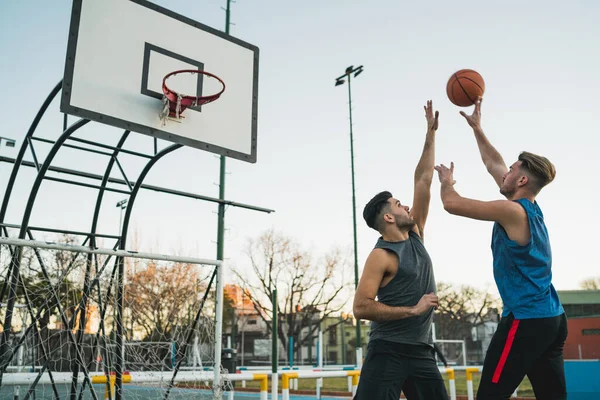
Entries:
{"x":454,"y":351}
{"x":81,"y":322}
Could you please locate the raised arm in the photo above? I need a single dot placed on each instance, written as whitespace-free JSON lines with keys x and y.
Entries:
{"x":366,"y":307}
{"x":424,"y":171}
{"x":493,"y":161}
{"x":511,"y":215}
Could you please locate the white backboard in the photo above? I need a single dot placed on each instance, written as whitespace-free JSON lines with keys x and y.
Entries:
{"x":120,"y":50}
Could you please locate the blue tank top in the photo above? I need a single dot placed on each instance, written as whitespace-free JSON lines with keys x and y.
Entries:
{"x":523,"y":274}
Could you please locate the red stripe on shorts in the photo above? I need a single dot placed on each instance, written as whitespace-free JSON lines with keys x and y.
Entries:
{"x":509,"y":341}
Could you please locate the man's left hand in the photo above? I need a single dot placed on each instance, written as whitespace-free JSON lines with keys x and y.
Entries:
{"x":432,"y":121}
{"x":446,"y":174}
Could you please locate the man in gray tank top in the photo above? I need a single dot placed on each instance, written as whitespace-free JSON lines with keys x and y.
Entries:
{"x":397,"y":293}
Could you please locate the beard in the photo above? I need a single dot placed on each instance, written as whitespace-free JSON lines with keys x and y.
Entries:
{"x":405,"y":223}
{"x":507,"y":191}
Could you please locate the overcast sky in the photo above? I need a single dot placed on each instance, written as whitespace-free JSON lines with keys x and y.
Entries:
{"x":539,"y":60}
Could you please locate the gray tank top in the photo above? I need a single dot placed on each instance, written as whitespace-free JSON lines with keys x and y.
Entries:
{"x":413,"y":279}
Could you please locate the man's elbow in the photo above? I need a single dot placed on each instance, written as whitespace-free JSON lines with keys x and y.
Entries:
{"x":358,"y":309}
{"x":450,"y":206}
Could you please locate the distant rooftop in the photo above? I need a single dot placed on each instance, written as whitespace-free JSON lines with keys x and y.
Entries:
{"x":579,"y":296}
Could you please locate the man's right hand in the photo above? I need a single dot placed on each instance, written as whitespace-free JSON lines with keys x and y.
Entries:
{"x":425,"y":304}
{"x":474,"y":120}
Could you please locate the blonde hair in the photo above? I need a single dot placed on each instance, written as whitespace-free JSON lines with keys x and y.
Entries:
{"x":540,"y":168}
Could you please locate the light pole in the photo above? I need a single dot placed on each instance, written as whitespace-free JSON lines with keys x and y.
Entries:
{"x":122,"y":205}
{"x":350,"y":72}
{"x":8,"y":142}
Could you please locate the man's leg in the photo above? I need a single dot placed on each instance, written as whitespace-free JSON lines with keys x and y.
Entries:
{"x":383,"y":373}
{"x":548,"y":374}
{"x":504,"y":365}
{"x":424,"y":381}
{"x":516,"y":349}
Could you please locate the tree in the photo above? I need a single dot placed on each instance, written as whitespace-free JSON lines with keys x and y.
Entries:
{"x":161,"y":298}
{"x":63,"y":269}
{"x":590,"y":283}
{"x":460,"y":308}
{"x":48,"y":291}
{"x":308,"y":291}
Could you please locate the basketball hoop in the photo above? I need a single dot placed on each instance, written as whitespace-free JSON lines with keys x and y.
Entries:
{"x":175,"y":103}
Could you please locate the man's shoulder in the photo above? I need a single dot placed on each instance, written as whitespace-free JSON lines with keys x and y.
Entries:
{"x":383,"y":258}
{"x":381,"y":253}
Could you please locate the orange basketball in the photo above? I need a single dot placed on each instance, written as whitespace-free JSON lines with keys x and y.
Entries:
{"x":464,"y":87}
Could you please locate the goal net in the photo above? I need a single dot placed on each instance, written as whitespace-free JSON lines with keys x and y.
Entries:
{"x":453,"y":351}
{"x":88,"y":323}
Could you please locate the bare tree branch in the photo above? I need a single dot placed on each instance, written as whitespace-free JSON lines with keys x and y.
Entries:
{"x":308,"y":291}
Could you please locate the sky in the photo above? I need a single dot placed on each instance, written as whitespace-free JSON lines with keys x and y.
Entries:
{"x":539,"y":62}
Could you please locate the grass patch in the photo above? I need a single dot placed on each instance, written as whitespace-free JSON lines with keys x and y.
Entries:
{"x":341,"y":384}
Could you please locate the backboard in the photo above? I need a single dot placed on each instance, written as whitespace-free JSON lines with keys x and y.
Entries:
{"x":118,"y":53}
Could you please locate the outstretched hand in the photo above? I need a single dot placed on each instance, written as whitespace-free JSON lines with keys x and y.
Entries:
{"x":432,"y":121}
{"x":474,"y":120}
{"x":446,"y":174}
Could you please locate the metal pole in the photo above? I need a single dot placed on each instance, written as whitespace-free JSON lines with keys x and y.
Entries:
{"x":233,"y":329}
{"x":343,"y":344}
{"x":274,"y":357}
{"x":222,"y":172}
{"x":351,"y":70}
{"x":120,"y":205}
{"x":310,"y":341}
{"x":217,"y":388}
{"x":358,"y":338}
{"x":147,"y":187}
{"x":220,"y":250}
{"x":107,"y":252}
{"x":243,"y":331}
{"x":291,"y":350}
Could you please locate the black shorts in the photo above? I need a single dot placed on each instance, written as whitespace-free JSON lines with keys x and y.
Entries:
{"x":532,"y":347}
{"x":390,"y":368}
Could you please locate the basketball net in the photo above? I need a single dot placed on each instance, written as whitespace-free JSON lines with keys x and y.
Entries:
{"x":164,"y":114}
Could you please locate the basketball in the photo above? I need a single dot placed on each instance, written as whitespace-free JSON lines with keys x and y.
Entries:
{"x":464,"y":87}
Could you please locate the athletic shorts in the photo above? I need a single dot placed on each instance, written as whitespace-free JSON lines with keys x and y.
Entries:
{"x":532,"y":347}
{"x":391,"y":368}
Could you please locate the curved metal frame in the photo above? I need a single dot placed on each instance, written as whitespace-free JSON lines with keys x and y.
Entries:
{"x":87,"y":279}
{"x":13,"y":274}
{"x":34,"y":124}
{"x":121,"y":270}
{"x":91,"y":279}
{"x":14,"y":270}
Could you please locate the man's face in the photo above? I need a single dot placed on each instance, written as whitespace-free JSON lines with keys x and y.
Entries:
{"x":401,"y":214}
{"x":510,"y":180}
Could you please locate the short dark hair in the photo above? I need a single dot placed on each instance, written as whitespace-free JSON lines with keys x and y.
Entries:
{"x":375,"y":208}
{"x":541,"y":168}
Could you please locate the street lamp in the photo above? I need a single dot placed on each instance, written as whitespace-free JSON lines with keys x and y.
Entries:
{"x":122,"y":205}
{"x":353,"y":72}
{"x":8,"y":142}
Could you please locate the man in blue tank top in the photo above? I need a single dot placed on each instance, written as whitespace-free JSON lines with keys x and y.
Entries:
{"x":530,"y":337}
{"x":397,"y":293}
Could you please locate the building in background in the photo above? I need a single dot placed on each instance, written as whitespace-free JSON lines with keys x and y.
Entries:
{"x":583,"y":315}
{"x":250,"y":336}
